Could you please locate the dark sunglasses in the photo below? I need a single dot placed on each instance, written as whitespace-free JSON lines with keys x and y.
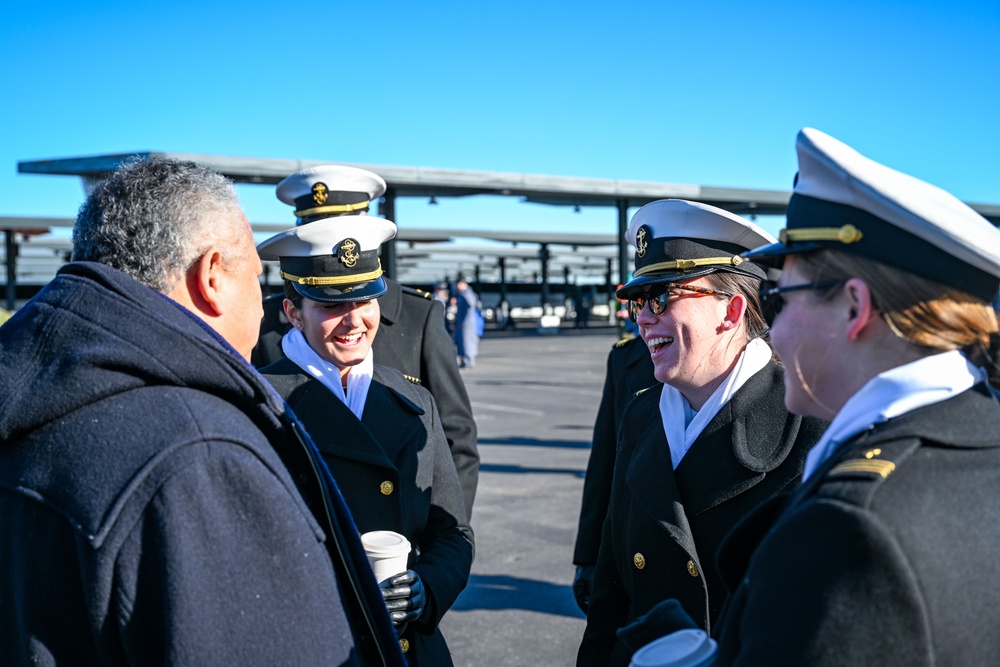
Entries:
{"x":658,"y":303}
{"x":772,"y":301}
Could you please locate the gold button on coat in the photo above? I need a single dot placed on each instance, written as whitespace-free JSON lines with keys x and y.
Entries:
{"x":404,"y":645}
{"x":639,"y":560}
{"x":692,"y":568}
{"x":386,"y":488}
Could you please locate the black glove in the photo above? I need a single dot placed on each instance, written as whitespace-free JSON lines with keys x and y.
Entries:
{"x":666,"y":617}
{"x":583,"y":586}
{"x":404,"y":597}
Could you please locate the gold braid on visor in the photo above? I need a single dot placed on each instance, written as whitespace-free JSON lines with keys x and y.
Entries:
{"x":845,"y":234}
{"x":353,"y":279}
{"x":336,"y":208}
{"x":734,"y":260}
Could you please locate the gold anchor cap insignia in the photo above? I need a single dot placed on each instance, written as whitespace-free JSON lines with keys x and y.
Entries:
{"x":641,"y":243}
{"x":320,"y":193}
{"x":346,"y":253}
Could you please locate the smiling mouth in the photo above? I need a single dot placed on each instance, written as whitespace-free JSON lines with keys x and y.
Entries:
{"x":351,"y":339}
{"x":657,"y":344}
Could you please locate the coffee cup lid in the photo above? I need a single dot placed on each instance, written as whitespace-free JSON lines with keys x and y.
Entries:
{"x":385,"y":541}
{"x":684,"y":648}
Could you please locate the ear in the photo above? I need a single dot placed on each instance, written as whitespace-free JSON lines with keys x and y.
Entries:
{"x":293,"y":314}
{"x":861,"y":314}
{"x":736,"y":307}
{"x":209,"y":282}
{"x":198,"y":290}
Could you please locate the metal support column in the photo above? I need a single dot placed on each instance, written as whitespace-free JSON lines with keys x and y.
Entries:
{"x":387,"y":209}
{"x":622,"y":245}
{"x":502,"y":262}
{"x":622,"y":254}
{"x":503,"y":306}
{"x":543,"y":258}
{"x":11,"y":249}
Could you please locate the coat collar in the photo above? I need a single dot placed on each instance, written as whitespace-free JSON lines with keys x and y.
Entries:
{"x":391,"y":303}
{"x":978,"y":427}
{"x":749,"y":437}
{"x":390,"y":421}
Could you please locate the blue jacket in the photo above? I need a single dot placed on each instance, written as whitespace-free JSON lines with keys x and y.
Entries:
{"x":157,"y":504}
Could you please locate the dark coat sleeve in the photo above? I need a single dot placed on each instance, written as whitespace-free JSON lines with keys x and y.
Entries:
{"x":447,"y":544}
{"x":600,"y":468}
{"x":415,"y":342}
{"x":629,"y":369}
{"x":609,"y":603}
{"x":224,"y":495}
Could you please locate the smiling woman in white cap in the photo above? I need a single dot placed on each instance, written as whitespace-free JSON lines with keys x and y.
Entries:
{"x":377,"y":430}
{"x":711,"y":443}
{"x":887,"y":553}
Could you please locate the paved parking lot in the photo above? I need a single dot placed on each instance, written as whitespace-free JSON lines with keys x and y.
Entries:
{"x":535,"y":399}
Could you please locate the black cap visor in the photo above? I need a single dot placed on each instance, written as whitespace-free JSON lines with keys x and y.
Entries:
{"x":342,"y":293}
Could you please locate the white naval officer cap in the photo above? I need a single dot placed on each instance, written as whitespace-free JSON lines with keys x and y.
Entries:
{"x":333,"y":260}
{"x":847,"y":202}
{"x":677,"y":240}
{"x":328,"y":190}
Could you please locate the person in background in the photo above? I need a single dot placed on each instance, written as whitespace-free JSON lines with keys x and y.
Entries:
{"x":466,"y":325}
{"x":158,"y":505}
{"x":629,"y":370}
{"x":377,"y":430}
{"x":412,"y":339}
{"x":886,"y":279}
{"x":702,"y":450}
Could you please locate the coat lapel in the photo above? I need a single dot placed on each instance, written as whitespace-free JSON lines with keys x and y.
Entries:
{"x":748,"y":437}
{"x":333,"y":427}
{"x":391,"y":420}
{"x":651,"y":480}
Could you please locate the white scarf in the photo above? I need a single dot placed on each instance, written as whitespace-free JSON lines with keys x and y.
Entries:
{"x":359,"y":378}
{"x":893,"y":393}
{"x":683,"y":424}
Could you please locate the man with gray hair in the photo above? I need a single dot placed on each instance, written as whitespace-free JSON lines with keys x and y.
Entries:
{"x":158,"y":504}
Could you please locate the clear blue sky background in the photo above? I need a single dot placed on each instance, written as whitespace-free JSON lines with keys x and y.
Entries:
{"x":707,"y":92}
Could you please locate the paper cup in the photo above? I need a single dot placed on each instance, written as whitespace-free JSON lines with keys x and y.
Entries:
{"x":684,"y":648}
{"x":387,"y":552}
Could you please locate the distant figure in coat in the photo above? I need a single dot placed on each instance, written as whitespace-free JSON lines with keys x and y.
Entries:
{"x":378,"y":430}
{"x":466,"y":325}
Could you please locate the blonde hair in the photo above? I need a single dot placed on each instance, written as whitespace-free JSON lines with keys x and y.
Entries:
{"x":918,"y":310}
{"x":748,"y":287}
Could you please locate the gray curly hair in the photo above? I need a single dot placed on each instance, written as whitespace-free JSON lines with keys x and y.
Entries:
{"x":153,"y":218}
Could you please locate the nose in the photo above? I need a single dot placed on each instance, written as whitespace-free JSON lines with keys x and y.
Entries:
{"x":646,"y":316}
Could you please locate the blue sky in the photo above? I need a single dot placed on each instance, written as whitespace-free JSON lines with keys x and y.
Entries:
{"x":709,"y":92}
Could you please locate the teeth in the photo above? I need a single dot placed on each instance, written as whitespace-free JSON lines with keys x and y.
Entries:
{"x":353,"y":338}
{"x":656,"y":342}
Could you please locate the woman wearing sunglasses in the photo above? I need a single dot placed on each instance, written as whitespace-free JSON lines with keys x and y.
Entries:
{"x":711,"y":443}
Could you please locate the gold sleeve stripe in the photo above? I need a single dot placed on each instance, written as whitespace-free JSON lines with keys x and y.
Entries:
{"x":876,"y":466}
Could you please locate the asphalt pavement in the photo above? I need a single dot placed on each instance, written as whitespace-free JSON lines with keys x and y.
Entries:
{"x":535,"y":398}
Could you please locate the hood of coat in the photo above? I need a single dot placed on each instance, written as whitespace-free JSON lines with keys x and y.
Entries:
{"x":94,"y":332}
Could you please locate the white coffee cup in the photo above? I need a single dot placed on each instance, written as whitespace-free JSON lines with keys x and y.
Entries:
{"x":387,"y":552}
{"x":684,"y":648}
